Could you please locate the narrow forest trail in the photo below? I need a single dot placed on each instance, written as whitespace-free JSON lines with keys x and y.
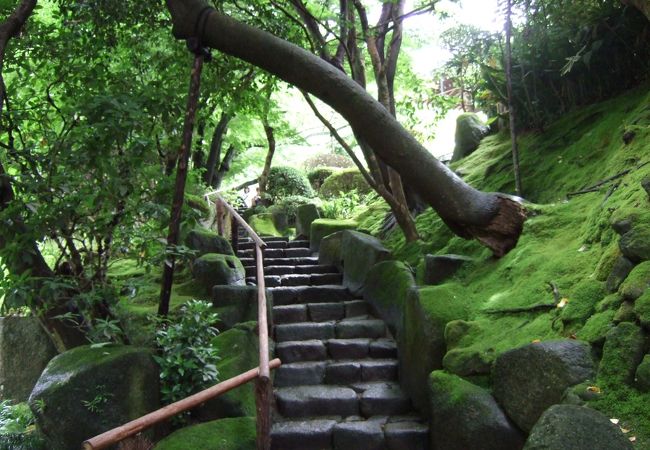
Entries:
{"x":338,"y":387}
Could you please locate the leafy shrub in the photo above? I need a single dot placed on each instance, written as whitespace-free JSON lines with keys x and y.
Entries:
{"x":17,"y":429}
{"x":317,"y":176}
{"x":344,"y":182}
{"x":328,"y":160}
{"x":289,"y":205}
{"x":252,"y":211}
{"x":188,"y":359}
{"x":287,"y":181}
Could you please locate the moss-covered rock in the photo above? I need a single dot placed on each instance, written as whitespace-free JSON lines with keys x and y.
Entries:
{"x":635,"y":244}
{"x":25,"y":350}
{"x":360,"y":252}
{"x":465,"y":416}
{"x":421,"y":344}
{"x":386,"y":288}
{"x":607,"y":261}
{"x":439,"y":268}
{"x":329,"y":252}
{"x":344,"y":181}
{"x":305,"y":215}
{"x":86,"y":391}
{"x":264,"y":225}
{"x":597,"y":327}
{"x":324,"y":227}
{"x":225,"y":434}
{"x":239,"y":352}
{"x":570,"y":427}
{"x":529,"y":379}
{"x":642,"y":375}
{"x":623,"y":351}
{"x":625,"y":313}
{"x":636,"y":282}
{"x":213,"y":269}
{"x":618,"y":273}
{"x":236,"y":304}
{"x":642,"y":309}
{"x":470,"y":129}
{"x":582,"y":301}
{"x":611,"y":302}
{"x":205,"y":241}
{"x":469,"y":361}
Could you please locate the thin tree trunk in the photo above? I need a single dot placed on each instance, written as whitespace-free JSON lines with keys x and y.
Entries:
{"x":511,"y":103}
{"x":495,"y":220}
{"x":179,"y":191}
{"x":270,"y":137}
{"x":224,"y":167}
{"x":197,"y":154}
{"x":215,"y":146}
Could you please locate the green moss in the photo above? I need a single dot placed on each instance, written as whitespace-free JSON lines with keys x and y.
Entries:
{"x":610,"y":302}
{"x":224,"y":434}
{"x":582,"y":301}
{"x":637,"y":282}
{"x":629,"y":406}
{"x":263,"y":224}
{"x":324,"y":227}
{"x":597,"y":327}
{"x":386,"y":288}
{"x":607,"y":261}
{"x":642,"y":309}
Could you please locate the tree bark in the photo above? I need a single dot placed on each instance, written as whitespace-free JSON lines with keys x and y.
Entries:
{"x":511,"y":103}
{"x":224,"y":167}
{"x":495,"y":220}
{"x":215,"y":146}
{"x":270,"y":137}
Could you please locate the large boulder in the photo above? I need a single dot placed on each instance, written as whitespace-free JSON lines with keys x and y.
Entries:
{"x":529,"y":379}
{"x":386,"y":288}
{"x":571,"y":427}
{"x":305,"y":215}
{"x":25,"y":350}
{"x":205,"y":241}
{"x":465,"y":416}
{"x":324,"y":227}
{"x":637,"y":282}
{"x":421,"y":343}
{"x":213,"y":269}
{"x":470,"y":130}
{"x":225,"y":434}
{"x":621,"y":269}
{"x":582,"y":301}
{"x":439,"y":268}
{"x":635,"y":244}
{"x":623,"y":351}
{"x":236,"y":304}
{"x":597,"y":327}
{"x":239,"y":352}
{"x":642,"y":309}
{"x":330,"y":250}
{"x":86,"y":391}
{"x":360,"y":252}
{"x":642,"y":376}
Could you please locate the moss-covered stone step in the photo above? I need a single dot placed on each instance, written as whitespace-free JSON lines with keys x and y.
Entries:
{"x":290,"y":295}
{"x":250,"y":245}
{"x":266,"y":239}
{"x":319,"y":312}
{"x":276,"y":253}
{"x":336,"y":349}
{"x":345,"y":329}
{"x":293,"y":261}
{"x":298,"y":279}
{"x":391,"y":433}
{"x":336,"y":372}
{"x":310,"y":401}
{"x":285,"y":270}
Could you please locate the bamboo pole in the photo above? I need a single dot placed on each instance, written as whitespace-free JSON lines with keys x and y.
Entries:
{"x":120,"y":433}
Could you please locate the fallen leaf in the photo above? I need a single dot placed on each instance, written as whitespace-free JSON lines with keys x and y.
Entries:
{"x":625,"y":430}
{"x":536,"y":341}
{"x":563,"y":303}
{"x":614,"y":421}
{"x":597,"y":390}
{"x":633,"y":439}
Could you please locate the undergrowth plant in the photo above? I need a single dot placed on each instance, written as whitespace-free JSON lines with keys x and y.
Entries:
{"x":17,"y":429}
{"x":187,"y":358}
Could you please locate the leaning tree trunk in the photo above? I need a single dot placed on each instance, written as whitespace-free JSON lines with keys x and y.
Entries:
{"x":495,"y":220}
{"x":270,"y":138}
{"x":215,"y":146}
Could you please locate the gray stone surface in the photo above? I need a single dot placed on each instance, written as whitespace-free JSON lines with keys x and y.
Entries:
{"x":346,"y":372}
{"x":406,"y":435}
{"x":25,"y":350}
{"x":360,"y":435}
{"x":329,"y":252}
{"x":620,"y":271}
{"x":237,"y":304}
{"x":383,"y":348}
{"x":362,"y":328}
{"x":214,"y":269}
{"x":635,"y":244}
{"x":529,"y":379}
{"x":570,"y":427}
{"x":290,"y":314}
{"x":302,"y":434}
{"x":348,"y":348}
{"x":307,"y":401}
{"x":470,"y":130}
{"x":359,"y":253}
{"x":205,"y":241}
{"x":304,"y":331}
{"x":300,"y":373}
{"x":297,"y":351}
{"x":321,"y":312}
{"x":379,"y":370}
{"x":305,"y":215}
{"x":465,"y":416}
{"x":121,"y":382}
{"x":439,"y":268}
{"x":384,"y":399}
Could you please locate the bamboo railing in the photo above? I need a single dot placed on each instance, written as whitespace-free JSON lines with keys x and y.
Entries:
{"x":262,"y":374}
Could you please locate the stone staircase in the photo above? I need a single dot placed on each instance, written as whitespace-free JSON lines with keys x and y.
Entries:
{"x":337,"y":388}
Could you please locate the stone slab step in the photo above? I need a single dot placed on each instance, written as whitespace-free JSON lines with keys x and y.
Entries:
{"x":310,"y":269}
{"x":335,"y":350}
{"x":309,"y":401}
{"x":267,"y":239}
{"x":276,"y":252}
{"x":305,"y":312}
{"x":345,"y":329}
{"x":314,"y":434}
{"x":288,"y":295}
{"x":333,"y":372}
{"x":298,"y":243}
{"x":296,"y":280}
{"x":272,"y":244}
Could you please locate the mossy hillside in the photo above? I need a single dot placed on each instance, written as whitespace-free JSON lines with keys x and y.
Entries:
{"x":343,"y":181}
{"x":264,"y":225}
{"x":225,"y":434}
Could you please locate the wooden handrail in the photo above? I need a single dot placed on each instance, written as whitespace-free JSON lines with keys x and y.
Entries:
{"x":120,"y":433}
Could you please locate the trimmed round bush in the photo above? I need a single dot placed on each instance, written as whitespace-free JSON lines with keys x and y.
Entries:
{"x":328,"y":159}
{"x":318,"y":176}
{"x":343,"y":182}
{"x":289,"y":206}
{"x":287,"y":181}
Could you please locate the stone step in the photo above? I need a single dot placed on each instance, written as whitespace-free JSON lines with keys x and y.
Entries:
{"x":306,"y":312}
{"x":318,"y":279}
{"x":276,"y":252}
{"x":297,"y":261}
{"x":309,"y":401}
{"x":251,"y":245}
{"x":394,"y":433}
{"x":298,"y":243}
{"x":290,"y":295}
{"x":335,"y":372}
{"x":345,"y":329}
{"x":336,"y":350}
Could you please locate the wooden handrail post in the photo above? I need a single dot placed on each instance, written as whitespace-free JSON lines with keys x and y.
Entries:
{"x":234,"y":233}
{"x":263,"y":385}
{"x":220,"y":216}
